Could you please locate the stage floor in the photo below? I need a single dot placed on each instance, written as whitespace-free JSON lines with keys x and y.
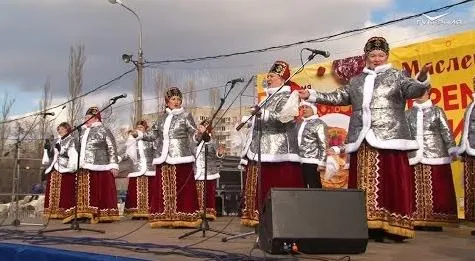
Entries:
{"x":452,"y":244}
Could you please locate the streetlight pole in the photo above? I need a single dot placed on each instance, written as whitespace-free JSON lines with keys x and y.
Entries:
{"x":139,"y":64}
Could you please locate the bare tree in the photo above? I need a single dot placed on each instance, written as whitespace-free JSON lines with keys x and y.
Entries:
{"x":162,"y":82}
{"x":214,"y":99}
{"x":6,"y":104}
{"x":190,"y":95}
{"x":77,"y":59}
{"x":108,"y":117}
{"x":44,"y":123}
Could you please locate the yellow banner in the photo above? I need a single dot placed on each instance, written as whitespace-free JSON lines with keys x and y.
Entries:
{"x":452,"y":75}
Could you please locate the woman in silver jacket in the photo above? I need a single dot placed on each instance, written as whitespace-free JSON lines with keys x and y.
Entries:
{"x":436,"y":204}
{"x":467,"y":151}
{"x":174,"y":199}
{"x":312,"y":141}
{"x":280,"y":162}
{"x":378,"y":139}
{"x":98,"y":167}
{"x":141,"y":154}
{"x":61,"y":166}
{"x":212,"y":170}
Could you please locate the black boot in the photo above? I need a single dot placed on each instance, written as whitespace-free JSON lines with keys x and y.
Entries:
{"x":434,"y":229}
{"x":376,"y":234}
{"x":396,"y":238}
{"x":428,"y":228}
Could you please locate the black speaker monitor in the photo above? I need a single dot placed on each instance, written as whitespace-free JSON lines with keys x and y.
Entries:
{"x":318,"y":221}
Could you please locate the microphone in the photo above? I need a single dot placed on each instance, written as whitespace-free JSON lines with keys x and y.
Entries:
{"x":325,"y":54}
{"x":236,"y":80}
{"x":118,"y":97}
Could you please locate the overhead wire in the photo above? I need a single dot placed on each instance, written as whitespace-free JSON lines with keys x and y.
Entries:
{"x":319,"y":39}
{"x":272,"y":48}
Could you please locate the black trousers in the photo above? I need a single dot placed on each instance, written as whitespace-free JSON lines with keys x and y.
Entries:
{"x":311,"y":177}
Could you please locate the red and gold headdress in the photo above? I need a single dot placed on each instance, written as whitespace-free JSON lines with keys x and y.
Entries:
{"x":281,"y":68}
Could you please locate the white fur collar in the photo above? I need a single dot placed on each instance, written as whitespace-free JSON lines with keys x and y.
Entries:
{"x":175,"y":111}
{"x":378,"y":69}
{"x":310,"y":118}
{"x":272,"y":90}
{"x":423,"y":105}
{"x":95,"y":124}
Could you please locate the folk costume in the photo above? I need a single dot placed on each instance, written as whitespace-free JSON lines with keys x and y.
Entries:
{"x":467,"y":151}
{"x":137,"y":200}
{"x":61,"y":166}
{"x":378,"y":140}
{"x":97,"y":193}
{"x":312,"y":144}
{"x":436,"y":204}
{"x":280,"y":163}
{"x":213,"y":165}
{"x":174,"y":200}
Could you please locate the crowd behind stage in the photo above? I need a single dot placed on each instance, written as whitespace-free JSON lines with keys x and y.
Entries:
{"x":400,"y":158}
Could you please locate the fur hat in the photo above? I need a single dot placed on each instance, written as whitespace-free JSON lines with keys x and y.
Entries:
{"x":94,"y":110}
{"x":376,"y":43}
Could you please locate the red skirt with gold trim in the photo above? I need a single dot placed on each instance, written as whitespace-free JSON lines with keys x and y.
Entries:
{"x":436,"y":204}
{"x":59,"y":194}
{"x":210,"y":197}
{"x":137,"y":198}
{"x":96,"y":197}
{"x":174,"y":199}
{"x":386,"y":177}
{"x":274,"y":175}
{"x":469,"y":187}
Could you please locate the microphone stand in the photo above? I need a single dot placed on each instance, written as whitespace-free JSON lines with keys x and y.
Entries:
{"x":74,"y":223}
{"x":257,"y":114}
{"x":206,"y":138}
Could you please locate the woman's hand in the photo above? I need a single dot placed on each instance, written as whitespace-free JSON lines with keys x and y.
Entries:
{"x":423,"y":72}
{"x":134,"y":133}
{"x":331,"y":152}
{"x":115,"y":172}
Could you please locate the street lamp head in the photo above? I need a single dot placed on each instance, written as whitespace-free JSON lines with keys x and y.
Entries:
{"x":126,"y":58}
{"x":115,"y":2}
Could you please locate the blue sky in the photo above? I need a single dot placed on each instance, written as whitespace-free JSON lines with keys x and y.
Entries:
{"x":41,"y":33}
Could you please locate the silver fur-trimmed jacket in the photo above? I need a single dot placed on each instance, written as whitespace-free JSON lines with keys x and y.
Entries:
{"x":172,"y":135}
{"x":312,"y":141}
{"x":65,"y":159}
{"x":98,"y":149}
{"x":378,"y":100}
{"x":429,"y":126}
{"x":141,"y":154}
{"x":213,"y":162}
{"x":279,"y":140}
{"x":467,"y":142}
